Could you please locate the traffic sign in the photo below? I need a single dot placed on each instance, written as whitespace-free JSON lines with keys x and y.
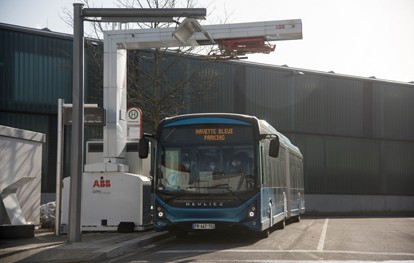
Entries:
{"x":134,"y":123}
{"x":134,"y":115}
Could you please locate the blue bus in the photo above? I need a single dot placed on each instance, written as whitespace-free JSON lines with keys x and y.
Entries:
{"x":217,"y":171}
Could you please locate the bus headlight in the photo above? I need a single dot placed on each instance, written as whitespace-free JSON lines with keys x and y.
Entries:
{"x":252,"y":210}
{"x":160,"y":213}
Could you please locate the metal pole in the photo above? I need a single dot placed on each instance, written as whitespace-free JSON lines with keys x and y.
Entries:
{"x":60,"y":135}
{"x":75,"y":204}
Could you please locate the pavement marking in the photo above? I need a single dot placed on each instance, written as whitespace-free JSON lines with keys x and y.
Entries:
{"x":285,"y":251}
{"x":321,"y":243}
{"x":261,"y":261}
{"x":253,"y":260}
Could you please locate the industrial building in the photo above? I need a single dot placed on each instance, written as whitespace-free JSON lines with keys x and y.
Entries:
{"x":356,"y":133}
{"x":36,"y":70}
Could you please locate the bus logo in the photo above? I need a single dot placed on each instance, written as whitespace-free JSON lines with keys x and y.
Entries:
{"x":174,"y":181}
{"x":204,"y":204}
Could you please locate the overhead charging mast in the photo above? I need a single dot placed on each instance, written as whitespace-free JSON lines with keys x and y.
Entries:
{"x":232,"y":40}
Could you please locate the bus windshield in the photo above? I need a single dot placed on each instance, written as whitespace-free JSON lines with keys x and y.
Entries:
{"x":205,"y":159}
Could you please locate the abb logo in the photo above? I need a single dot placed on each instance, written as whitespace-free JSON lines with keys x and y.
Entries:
{"x":280,"y":26}
{"x":102,"y":183}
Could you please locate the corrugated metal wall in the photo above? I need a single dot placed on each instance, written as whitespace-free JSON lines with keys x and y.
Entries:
{"x":222,"y":97}
{"x":393,"y":110}
{"x":36,"y":70}
{"x":356,"y":134}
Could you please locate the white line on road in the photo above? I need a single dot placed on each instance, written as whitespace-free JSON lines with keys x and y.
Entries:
{"x":321,"y":243}
{"x":199,"y":251}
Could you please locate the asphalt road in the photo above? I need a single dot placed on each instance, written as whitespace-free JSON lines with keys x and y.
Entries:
{"x":329,"y":239}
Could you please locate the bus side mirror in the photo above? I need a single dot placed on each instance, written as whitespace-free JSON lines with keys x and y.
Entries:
{"x":274,"y":147}
{"x":143,"y":147}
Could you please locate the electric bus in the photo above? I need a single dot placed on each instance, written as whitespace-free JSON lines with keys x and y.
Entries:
{"x":213,"y":171}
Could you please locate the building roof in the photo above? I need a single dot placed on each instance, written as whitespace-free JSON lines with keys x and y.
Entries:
{"x":299,"y":71}
{"x":45,"y":31}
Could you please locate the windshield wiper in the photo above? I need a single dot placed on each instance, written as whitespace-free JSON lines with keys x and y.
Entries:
{"x":176,"y":196}
{"x":218,"y":186}
{"x":169,"y":134}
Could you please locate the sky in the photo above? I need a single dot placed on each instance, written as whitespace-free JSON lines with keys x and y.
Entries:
{"x":353,"y":37}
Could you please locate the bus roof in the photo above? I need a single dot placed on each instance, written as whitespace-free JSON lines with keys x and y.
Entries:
{"x":266,"y":128}
{"x":197,"y":118}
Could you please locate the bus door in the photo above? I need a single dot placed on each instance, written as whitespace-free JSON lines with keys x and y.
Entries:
{"x":288,"y":184}
{"x":262,"y":164}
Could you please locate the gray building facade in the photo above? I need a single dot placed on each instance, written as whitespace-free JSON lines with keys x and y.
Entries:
{"x":356,"y":133}
{"x":36,"y":70}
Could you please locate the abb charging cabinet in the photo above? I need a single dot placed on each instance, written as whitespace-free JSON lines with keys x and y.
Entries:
{"x":110,"y":198}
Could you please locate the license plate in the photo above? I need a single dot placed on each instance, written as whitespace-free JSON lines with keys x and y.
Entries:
{"x":204,"y":226}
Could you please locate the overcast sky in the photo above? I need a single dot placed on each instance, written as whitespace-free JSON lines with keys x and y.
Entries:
{"x":354,"y":37}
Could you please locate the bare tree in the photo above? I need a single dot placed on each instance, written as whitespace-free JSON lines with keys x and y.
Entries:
{"x":161,"y":81}
{"x":167,"y":84}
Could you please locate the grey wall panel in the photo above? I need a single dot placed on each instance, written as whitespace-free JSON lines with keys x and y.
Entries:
{"x":267,"y":96}
{"x":344,"y":107}
{"x":220,"y":96}
{"x":307,"y":103}
{"x":341,"y":165}
{"x":309,"y":114}
{"x":397,"y":165}
{"x":393,"y":111}
{"x":313,"y":151}
{"x":352,"y":165}
{"x":327,"y":106}
{"x":38,"y":71}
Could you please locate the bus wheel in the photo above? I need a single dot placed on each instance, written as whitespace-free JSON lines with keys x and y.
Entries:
{"x":181,"y":234}
{"x":265,"y":233}
{"x":281,"y":224}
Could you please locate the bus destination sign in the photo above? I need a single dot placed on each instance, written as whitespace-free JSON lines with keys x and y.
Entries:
{"x":214,"y":134}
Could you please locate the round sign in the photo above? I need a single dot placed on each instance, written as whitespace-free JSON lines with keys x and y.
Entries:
{"x":134,"y":115}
